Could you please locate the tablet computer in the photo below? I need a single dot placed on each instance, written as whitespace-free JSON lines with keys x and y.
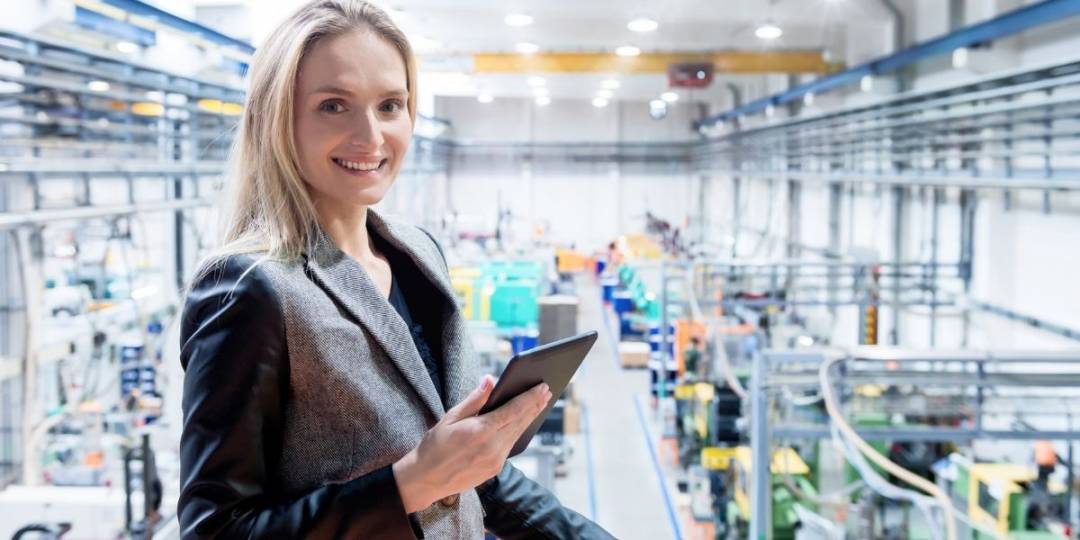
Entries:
{"x":554,"y":364}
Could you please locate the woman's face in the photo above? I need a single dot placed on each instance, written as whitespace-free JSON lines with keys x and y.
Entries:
{"x":351,"y":120}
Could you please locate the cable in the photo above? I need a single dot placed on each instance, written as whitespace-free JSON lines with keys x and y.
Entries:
{"x":725,"y":366}
{"x":841,"y":425}
{"x":837,"y":497}
{"x":924,"y":504}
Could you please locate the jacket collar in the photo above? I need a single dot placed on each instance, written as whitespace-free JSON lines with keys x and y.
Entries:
{"x":350,"y":286}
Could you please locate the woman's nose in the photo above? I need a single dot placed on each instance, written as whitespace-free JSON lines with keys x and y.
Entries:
{"x":367,"y":132}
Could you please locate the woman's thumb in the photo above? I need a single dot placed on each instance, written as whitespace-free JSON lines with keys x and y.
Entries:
{"x":471,"y":405}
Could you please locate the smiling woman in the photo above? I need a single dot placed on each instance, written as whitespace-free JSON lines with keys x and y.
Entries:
{"x":352,"y":123}
{"x":330,"y":388}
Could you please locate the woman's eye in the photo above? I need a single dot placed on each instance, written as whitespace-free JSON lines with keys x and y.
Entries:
{"x":331,"y":107}
{"x":392,"y":106}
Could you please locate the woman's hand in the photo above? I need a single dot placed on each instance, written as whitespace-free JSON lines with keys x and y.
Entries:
{"x":463,"y":450}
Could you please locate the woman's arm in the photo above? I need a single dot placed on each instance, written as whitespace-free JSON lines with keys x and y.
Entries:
{"x":516,"y":507}
{"x":237,"y":374}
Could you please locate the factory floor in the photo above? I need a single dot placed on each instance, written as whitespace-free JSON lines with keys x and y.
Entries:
{"x":621,"y":474}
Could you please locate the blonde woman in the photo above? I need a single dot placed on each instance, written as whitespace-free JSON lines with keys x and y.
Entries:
{"x":330,"y":384}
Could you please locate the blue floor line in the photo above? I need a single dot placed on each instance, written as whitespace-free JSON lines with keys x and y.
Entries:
{"x":613,"y":343}
{"x":660,"y":477}
{"x":586,"y":428}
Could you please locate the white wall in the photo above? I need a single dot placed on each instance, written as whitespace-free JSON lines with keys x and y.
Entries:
{"x":587,"y":205}
{"x":564,"y":120}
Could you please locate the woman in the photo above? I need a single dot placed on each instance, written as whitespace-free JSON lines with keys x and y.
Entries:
{"x":329,"y":376}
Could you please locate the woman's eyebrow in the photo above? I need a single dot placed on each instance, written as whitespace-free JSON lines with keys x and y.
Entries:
{"x":330,"y":89}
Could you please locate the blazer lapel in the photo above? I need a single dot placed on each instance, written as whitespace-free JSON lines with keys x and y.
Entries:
{"x":350,"y":286}
{"x":459,"y":373}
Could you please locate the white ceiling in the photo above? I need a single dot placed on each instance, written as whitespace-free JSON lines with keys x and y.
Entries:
{"x":591,"y":25}
{"x":442,"y":29}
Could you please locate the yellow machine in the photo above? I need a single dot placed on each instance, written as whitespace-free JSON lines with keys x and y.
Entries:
{"x":998,"y":497}
{"x":473,"y":295}
{"x":784,"y":461}
{"x":697,"y":397}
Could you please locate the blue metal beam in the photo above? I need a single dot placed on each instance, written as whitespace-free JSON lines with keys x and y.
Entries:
{"x":1004,"y":25}
{"x":143,"y":9}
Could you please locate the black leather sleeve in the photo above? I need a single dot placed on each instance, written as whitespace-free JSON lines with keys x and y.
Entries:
{"x":236,"y":381}
{"x":519,"y":508}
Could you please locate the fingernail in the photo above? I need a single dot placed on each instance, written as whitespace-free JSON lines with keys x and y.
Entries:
{"x":545,"y":388}
{"x":486,"y":383}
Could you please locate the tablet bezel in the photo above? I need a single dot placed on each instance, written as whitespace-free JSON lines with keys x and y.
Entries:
{"x":554,"y":363}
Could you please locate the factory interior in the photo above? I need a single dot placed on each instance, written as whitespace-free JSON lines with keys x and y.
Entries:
{"x":824,"y":245}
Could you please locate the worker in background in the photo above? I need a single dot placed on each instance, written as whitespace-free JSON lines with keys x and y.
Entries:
{"x":329,"y":377}
{"x":1045,"y":460}
{"x":694,"y":361}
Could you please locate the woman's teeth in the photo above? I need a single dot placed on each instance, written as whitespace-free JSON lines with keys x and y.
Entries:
{"x":357,"y":165}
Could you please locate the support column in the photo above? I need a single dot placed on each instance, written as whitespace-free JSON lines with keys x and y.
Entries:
{"x":836,"y":201}
{"x":704,"y":183}
{"x":968,"y":203}
{"x":760,"y":485}
{"x":794,"y":225}
{"x":935,"y":229}
{"x":900,"y":203}
{"x":29,"y":248}
{"x":736,"y":215}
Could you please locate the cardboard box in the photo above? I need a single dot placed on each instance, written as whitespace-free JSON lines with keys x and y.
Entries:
{"x":571,"y":418}
{"x":634,"y":354}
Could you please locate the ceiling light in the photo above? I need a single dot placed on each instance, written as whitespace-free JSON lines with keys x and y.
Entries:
{"x":526,"y":48}
{"x":98,"y":86}
{"x":669,"y":97}
{"x":866,"y":84}
{"x":485,"y":98}
{"x":540,"y":91}
{"x":543,"y":101}
{"x":606,"y":94}
{"x":599,"y":102}
{"x":768,"y":31}
{"x":657,"y":109}
{"x":628,"y":50}
{"x":610,"y":84}
{"x":518,"y":19}
{"x":536,"y":81}
{"x":126,"y":47}
{"x":808,"y":99}
{"x":960,"y":58}
{"x":642,"y":24}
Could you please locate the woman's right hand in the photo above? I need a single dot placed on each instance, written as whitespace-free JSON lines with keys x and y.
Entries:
{"x":464,"y":450}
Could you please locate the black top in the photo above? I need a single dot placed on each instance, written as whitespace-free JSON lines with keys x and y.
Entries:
{"x":417,"y":301}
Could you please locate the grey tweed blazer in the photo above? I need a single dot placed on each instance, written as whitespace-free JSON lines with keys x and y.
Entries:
{"x":359,"y":395}
{"x":360,"y":400}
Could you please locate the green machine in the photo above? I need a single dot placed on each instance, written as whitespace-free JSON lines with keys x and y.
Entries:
{"x":516,"y":286}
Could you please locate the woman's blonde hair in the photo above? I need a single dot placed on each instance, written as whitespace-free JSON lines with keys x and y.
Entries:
{"x":270,"y":210}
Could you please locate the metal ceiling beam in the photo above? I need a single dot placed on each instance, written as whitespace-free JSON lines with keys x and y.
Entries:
{"x":146,"y":15}
{"x":1004,"y":25}
{"x":15,"y":220}
{"x":740,"y":62}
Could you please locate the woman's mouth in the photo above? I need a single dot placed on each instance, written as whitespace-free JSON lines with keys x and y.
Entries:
{"x":360,"y":167}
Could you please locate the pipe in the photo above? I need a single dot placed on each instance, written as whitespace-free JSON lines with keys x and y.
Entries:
{"x":899,"y":29}
{"x":1005,"y":25}
{"x":870,"y":452}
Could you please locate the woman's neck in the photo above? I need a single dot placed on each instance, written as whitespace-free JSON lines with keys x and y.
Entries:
{"x":348,"y":228}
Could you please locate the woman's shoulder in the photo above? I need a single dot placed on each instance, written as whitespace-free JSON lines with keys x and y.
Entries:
{"x":249,"y":279}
